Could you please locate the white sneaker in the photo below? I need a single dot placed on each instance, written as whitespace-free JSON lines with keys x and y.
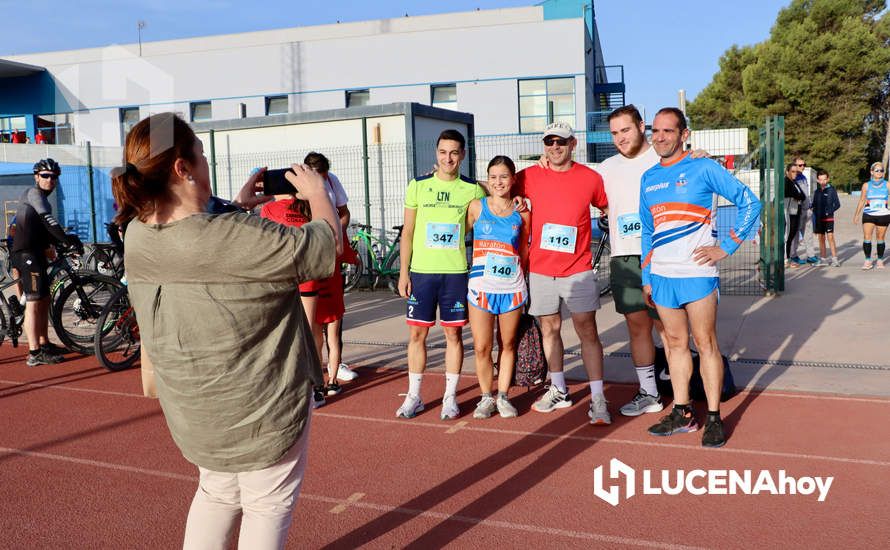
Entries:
{"x":599,"y":412}
{"x":505,"y":408}
{"x":411,"y":407}
{"x":835,"y":262}
{"x":346,"y":374}
{"x":642,"y":403}
{"x":485,"y":408}
{"x":450,"y":410}
{"x":551,"y":400}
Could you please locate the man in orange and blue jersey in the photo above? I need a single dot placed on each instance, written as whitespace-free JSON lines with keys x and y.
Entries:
{"x":680,"y":253}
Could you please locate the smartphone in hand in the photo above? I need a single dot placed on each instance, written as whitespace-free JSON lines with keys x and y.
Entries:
{"x":274,"y":182}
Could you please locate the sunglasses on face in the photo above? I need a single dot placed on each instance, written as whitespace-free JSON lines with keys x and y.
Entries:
{"x":801,"y":165}
{"x":48,"y":176}
{"x":878,"y":170}
{"x":551,"y":141}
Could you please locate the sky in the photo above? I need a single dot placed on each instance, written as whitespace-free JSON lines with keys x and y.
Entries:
{"x":664,"y":46}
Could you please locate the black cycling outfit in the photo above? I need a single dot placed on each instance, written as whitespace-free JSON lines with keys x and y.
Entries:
{"x":35,"y":230}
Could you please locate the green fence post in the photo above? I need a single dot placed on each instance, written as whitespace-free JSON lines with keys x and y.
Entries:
{"x":92,"y":190}
{"x":213,"y":161}
{"x":779,"y":190}
{"x":365,"y":171}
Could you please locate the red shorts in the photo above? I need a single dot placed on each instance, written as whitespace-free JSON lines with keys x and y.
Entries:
{"x":330,"y":300}
{"x":310,"y":287}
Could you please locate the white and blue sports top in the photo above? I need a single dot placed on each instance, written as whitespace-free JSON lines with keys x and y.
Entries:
{"x":677,"y":209}
{"x":876,"y":198}
{"x":495,"y":268}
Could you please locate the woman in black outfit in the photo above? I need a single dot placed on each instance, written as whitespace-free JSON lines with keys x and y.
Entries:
{"x":794,"y":197}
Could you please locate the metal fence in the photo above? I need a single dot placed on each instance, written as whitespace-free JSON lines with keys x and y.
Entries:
{"x":375,"y":180}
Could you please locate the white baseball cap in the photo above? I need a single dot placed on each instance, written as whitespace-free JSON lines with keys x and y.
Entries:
{"x":560,"y":129}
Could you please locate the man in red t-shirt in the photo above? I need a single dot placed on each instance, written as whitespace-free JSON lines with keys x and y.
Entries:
{"x":560,"y":263}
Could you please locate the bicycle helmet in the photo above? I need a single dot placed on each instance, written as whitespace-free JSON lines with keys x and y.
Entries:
{"x":47,"y":165}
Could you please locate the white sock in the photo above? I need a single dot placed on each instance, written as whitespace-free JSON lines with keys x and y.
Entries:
{"x":596,"y":387}
{"x":451,"y":380}
{"x":414,"y":380}
{"x":646,"y":376}
{"x":558,"y":379}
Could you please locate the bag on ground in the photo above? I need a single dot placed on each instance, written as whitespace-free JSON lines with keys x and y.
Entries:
{"x":531,"y":367}
{"x":696,"y":385}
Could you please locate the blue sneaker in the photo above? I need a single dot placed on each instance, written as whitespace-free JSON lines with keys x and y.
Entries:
{"x":798,"y":261}
{"x":813,"y":260}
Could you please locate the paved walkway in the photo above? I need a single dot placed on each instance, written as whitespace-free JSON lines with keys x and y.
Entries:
{"x":819,"y":336}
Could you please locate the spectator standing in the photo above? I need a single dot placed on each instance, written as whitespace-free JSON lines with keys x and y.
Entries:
{"x":873,"y":205}
{"x":825,"y":204}
{"x":805,"y":229}
{"x":794,"y":198}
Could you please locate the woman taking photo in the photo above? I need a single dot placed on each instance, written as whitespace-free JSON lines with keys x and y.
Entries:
{"x":496,"y":285}
{"x":875,"y":216}
{"x":221,"y":321}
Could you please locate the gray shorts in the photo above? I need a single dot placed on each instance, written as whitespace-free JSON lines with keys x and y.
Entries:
{"x":579,"y":292}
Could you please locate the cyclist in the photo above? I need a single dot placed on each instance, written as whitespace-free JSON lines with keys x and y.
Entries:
{"x":35,"y":230}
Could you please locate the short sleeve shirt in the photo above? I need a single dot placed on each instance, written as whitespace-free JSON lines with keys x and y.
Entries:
{"x":560,"y":217}
{"x":621,"y":178}
{"x":440,"y":223}
{"x":221,"y":320}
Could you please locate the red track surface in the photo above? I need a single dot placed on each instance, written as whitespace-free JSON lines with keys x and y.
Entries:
{"x":86,"y":462}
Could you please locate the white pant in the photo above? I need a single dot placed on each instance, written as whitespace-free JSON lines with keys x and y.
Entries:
{"x":805,"y":235}
{"x":263,"y":499}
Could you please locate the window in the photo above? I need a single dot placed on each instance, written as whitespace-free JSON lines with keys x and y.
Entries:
{"x":201,"y":110}
{"x":357,"y":98}
{"x":10,"y":126}
{"x":444,"y":96}
{"x":129,"y":118}
{"x":276,"y":105}
{"x":55,"y":129}
{"x":544,"y":101}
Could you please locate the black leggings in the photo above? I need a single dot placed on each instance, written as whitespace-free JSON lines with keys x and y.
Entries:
{"x":793,"y":227}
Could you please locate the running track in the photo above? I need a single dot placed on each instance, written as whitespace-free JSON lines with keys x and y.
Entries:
{"x":86,"y":462}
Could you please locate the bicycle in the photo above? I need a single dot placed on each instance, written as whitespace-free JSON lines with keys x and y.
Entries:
{"x":16,"y":312}
{"x":602,"y":254}
{"x":384,"y":262}
{"x":117,"y":341}
{"x":107,"y":258}
{"x":78,"y":299}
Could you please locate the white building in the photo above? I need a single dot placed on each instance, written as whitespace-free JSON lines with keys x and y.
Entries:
{"x":512,"y":69}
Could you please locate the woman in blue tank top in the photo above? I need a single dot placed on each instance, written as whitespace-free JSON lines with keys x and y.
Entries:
{"x":496,"y":285}
{"x":873,"y":205}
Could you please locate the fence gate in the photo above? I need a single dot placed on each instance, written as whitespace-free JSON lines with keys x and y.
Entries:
{"x":772,"y":193}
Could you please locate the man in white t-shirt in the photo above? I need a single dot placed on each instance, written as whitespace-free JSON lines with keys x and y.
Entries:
{"x":621,"y":176}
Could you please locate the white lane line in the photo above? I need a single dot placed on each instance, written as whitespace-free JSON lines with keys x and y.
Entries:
{"x":59,"y":386}
{"x":755,"y":452}
{"x":610,"y":439}
{"x":353,"y":501}
{"x":456,"y":427}
{"x":757,"y":393}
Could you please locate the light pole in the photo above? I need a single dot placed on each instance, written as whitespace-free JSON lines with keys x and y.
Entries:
{"x":139,"y":26}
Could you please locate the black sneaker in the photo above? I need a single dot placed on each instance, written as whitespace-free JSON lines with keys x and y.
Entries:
{"x":713,"y":435}
{"x":678,"y":422}
{"x":53,"y":349}
{"x":42,"y":357}
{"x":318,"y":397}
{"x":333,"y":388}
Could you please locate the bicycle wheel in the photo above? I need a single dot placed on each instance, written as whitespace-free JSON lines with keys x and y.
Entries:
{"x":104,"y":260}
{"x":77,"y":307}
{"x":602,"y":254}
{"x":117,"y":336}
{"x":4,"y":328}
{"x":392,"y":273}
{"x":352,"y":273}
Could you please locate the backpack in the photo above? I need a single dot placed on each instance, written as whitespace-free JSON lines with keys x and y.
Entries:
{"x":696,"y":385}
{"x":531,"y":367}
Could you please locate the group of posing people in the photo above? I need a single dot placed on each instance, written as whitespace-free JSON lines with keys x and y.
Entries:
{"x":660,"y":205}
{"x":236,"y":356}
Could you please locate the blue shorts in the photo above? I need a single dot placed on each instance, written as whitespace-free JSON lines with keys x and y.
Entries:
{"x":496,"y":303}
{"x":448,"y":291}
{"x":677,"y":292}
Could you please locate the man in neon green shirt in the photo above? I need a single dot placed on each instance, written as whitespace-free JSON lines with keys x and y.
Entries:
{"x":433,"y":271}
